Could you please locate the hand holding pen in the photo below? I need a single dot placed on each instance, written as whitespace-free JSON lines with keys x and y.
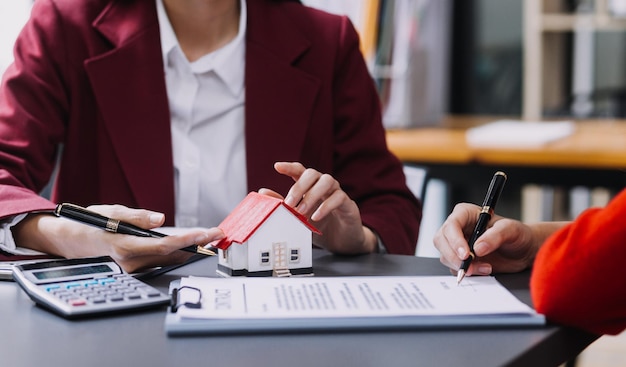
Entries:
{"x":488,"y":207}
{"x":88,"y":217}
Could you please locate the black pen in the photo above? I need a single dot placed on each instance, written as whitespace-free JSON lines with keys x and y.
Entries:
{"x":489,"y":205}
{"x":85,"y":216}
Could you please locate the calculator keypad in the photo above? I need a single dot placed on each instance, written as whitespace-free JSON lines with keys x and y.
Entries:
{"x":115,"y":289}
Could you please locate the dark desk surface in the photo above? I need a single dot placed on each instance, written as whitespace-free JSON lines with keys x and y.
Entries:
{"x":32,"y":336}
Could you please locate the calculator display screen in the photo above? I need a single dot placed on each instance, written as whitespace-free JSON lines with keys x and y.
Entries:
{"x":66,"y":272}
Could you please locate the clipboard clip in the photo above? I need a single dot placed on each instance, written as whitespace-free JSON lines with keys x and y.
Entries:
{"x":175,"y":298}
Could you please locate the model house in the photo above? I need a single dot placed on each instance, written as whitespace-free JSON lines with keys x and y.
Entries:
{"x":265,"y":237}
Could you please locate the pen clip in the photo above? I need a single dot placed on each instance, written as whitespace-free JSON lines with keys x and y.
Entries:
{"x":61,"y":206}
{"x":494,"y":191}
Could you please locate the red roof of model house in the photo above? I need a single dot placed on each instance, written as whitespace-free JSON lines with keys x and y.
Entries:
{"x":248,"y":216}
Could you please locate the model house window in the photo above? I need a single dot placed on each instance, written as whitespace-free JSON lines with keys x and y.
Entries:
{"x":295,"y":255}
{"x":265,"y":258}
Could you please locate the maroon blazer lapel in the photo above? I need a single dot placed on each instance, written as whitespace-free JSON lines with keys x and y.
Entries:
{"x":279,"y":96}
{"x":137,"y":123}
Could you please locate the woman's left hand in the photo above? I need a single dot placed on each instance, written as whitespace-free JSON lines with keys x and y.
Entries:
{"x":319,"y":197}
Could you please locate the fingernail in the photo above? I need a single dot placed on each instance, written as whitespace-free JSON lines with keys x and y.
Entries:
{"x":156,"y":218}
{"x":484,"y":269}
{"x":480,"y":248}
{"x":462,"y":252}
{"x":302,"y":208}
{"x":289,"y":200}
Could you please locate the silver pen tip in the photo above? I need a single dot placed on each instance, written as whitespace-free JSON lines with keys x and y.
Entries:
{"x":459,"y":276}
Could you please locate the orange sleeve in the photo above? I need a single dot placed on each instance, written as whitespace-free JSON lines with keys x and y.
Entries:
{"x":579,"y":275}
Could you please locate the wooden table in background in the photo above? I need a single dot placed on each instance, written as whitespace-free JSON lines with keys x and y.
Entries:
{"x":593,"y":156}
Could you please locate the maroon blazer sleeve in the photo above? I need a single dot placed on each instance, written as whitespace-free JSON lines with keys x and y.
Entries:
{"x":30,"y":117}
{"x":325,"y":111}
{"x":365,"y":167}
{"x":578,"y":275}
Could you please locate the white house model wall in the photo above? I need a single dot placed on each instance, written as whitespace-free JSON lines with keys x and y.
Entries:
{"x":281,"y":244}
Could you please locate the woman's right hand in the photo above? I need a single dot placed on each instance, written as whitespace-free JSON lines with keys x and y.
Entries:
{"x":506,"y":246}
{"x":72,"y":239}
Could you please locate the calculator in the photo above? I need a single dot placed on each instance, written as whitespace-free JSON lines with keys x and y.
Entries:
{"x":85,"y":287}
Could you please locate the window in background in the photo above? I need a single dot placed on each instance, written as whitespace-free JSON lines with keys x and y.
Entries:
{"x":487,"y":59}
{"x":609,"y":75}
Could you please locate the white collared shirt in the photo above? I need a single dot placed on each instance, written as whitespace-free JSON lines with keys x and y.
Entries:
{"x":206,"y":99}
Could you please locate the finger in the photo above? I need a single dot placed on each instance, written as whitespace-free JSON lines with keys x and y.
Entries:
{"x":301,"y":188}
{"x":480,"y":268}
{"x":335,"y":201}
{"x":291,"y":169}
{"x":294,"y":170}
{"x":484,"y":247}
{"x":196,"y":237}
{"x":319,"y":193}
{"x":449,"y":258}
{"x":451,"y":241}
{"x":128,"y":247}
{"x":272,"y":193}
{"x":502,"y":231}
{"x":459,"y":226}
{"x":144,"y":253}
{"x":143,"y":218}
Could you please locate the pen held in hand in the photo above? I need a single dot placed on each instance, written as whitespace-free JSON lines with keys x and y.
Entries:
{"x":488,"y":207}
{"x":85,"y":216}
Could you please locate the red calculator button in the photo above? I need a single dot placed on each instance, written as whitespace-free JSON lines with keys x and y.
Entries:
{"x":77,"y":302}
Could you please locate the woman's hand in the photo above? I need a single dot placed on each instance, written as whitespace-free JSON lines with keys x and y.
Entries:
{"x":72,"y":239}
{"x":319,"y":197}
{"x":506,"y":246}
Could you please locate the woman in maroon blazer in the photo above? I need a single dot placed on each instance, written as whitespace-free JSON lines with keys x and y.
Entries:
{"x":88,"y":77}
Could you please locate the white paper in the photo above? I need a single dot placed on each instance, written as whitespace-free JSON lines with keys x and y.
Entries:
{"x":514,"y":133}
{"x":374,"y":296}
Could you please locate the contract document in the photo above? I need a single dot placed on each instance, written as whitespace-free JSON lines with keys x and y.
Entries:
{"x":232,"y":305}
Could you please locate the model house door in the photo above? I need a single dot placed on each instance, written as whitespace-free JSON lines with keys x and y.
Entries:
{"x":279,"y":259}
